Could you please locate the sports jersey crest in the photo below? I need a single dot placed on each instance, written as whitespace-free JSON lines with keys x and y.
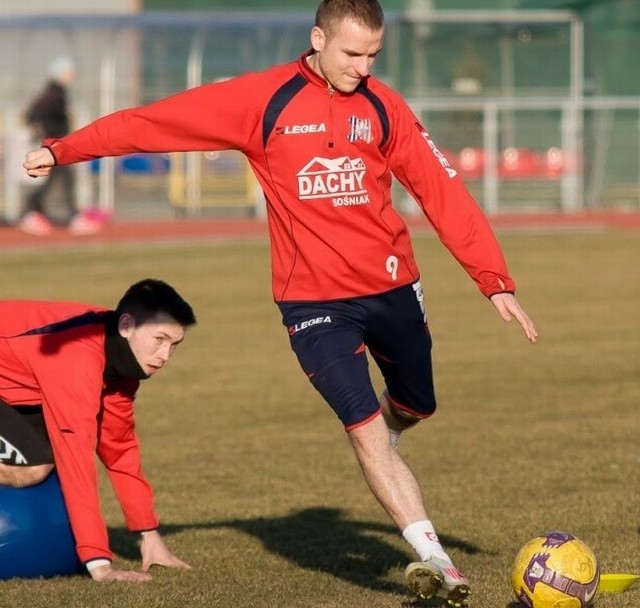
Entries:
{"x":360,"y":128}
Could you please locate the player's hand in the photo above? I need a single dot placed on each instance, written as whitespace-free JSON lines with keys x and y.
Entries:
{"x":508,"y":307}
{"x":155,"y":553}
{"x":106,"y":573}
{"x":39,"y":162}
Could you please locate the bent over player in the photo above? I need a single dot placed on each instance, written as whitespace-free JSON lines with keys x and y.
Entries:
{"x":324,"y":138}
{"x":68,"y":378}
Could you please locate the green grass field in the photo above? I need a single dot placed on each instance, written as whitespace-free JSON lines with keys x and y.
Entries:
{"x":255,"y":481}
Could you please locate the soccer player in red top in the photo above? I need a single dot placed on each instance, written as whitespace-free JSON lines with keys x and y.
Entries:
{"x":324,"y":138}
{"x":68,"y":378}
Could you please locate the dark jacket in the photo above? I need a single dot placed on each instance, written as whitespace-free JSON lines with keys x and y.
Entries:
{"x":48,"y":113}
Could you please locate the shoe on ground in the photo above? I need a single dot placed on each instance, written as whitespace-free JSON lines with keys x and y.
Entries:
{"x":35,"y":223}
{"x":437,"y":577}
{"x":82,"y":224}
{"x":97,"y":214}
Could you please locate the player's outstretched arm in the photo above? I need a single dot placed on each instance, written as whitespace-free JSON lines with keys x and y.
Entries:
{"x":509,"y":308}
{"x":39,"y":162}
{"x":155,"y":552}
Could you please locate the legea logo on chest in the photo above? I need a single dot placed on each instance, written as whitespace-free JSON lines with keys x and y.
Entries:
{"x":330,"y":177}
{"x":301,"y":129}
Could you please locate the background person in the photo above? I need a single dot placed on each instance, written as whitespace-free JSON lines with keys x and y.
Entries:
{"x":324,"y":138}
{"x":48,"y":116}
{"x":68,"y":378}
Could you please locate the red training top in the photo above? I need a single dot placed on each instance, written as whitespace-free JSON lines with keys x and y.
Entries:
{"x":325,"y":161}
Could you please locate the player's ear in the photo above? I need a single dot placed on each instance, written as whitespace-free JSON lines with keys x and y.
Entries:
{"x":126,"y":323}
{"x":318,"y":38}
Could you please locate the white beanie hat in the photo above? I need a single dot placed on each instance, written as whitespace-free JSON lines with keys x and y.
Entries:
{"x":61,"y":66}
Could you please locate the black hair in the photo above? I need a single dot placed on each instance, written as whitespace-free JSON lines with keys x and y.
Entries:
{"x":150,"y":297}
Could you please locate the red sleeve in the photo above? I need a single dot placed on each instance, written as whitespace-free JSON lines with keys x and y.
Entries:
{"x":70,"y":410}
{"x":119,"y":450}
{"x":215,"y":116}
{"x":438,"y":189}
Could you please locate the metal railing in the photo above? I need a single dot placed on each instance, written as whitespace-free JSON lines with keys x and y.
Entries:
{"x":582,"y":166}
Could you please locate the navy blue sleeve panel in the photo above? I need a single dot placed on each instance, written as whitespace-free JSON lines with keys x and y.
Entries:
{"x":278,"y":102}
{"x":376,"y":102}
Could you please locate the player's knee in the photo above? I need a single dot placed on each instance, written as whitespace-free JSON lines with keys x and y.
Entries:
{"x":23,"y":477}
{"x":368,"y":437}
{"x":403,"y":415}
{"x":36,"y":474}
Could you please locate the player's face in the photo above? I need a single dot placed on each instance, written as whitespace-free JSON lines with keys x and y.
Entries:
{"x":153,"y":342}
{"x":345,"y":56}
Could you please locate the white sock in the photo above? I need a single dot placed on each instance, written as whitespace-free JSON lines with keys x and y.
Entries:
{"x":422,"y":536}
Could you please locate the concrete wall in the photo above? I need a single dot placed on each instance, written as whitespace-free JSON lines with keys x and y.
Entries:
{"x":60,"y":7}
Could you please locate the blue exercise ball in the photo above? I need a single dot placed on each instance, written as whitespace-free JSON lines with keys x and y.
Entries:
{"x":35,"y":534}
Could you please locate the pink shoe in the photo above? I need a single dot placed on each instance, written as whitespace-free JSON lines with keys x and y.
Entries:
{"x":35,"y":223}
{"x":81,"y":225}
{"x":97,"y":214}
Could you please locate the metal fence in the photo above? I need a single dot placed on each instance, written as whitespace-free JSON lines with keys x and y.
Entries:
{"x":553,"y":154}
{"x":502,"y":93}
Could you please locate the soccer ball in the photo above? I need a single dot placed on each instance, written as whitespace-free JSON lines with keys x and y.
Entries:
{"x":555,"y":570}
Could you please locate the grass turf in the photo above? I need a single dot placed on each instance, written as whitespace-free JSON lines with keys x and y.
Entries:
{"x":256,"y":484}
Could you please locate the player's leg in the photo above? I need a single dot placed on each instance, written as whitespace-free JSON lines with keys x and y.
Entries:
{"x":389,"y":477}
{"x":328,"y":341}
{"x":25,"y":452}
{"x":399,"y":341}
{"x":395,"y":487}
{"x":396,"y":421}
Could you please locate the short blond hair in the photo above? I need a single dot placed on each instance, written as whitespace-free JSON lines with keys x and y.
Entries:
{"x":367,"y":13}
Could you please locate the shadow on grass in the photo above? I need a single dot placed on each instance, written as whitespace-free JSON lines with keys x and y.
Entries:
{"x":316,"y":539}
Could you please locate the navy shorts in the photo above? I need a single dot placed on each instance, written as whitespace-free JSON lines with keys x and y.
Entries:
{"x":23,"y":436}
{"x":330,"y":340}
